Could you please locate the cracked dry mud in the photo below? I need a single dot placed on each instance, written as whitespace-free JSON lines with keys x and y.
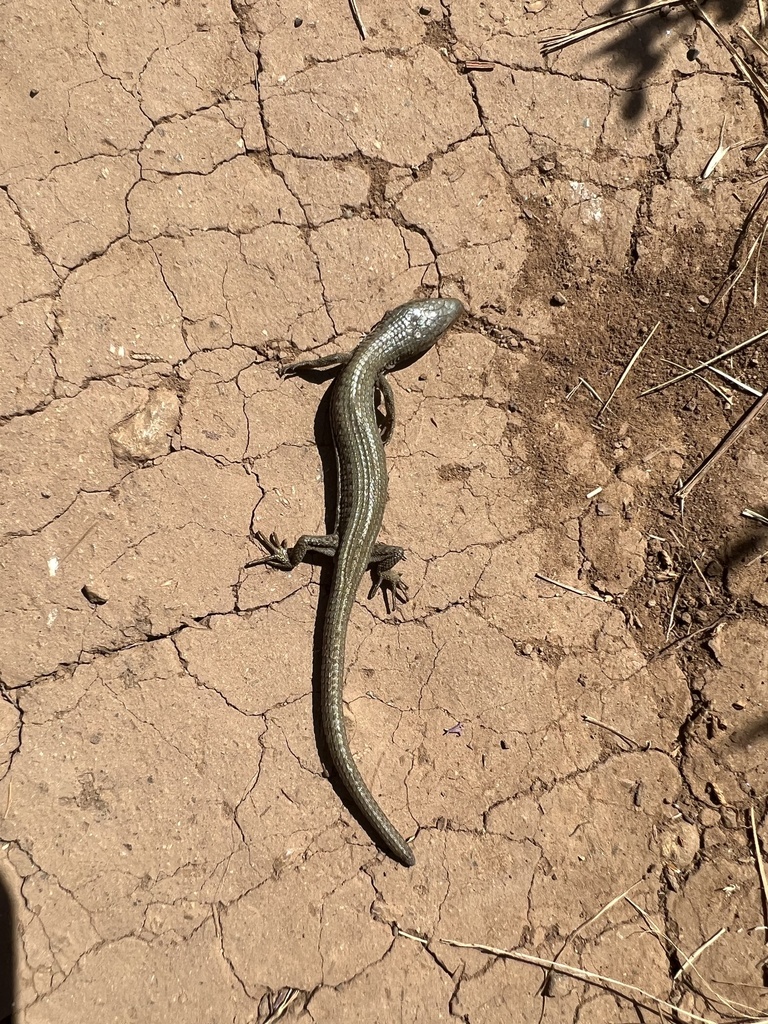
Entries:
{"x":193,"y":190}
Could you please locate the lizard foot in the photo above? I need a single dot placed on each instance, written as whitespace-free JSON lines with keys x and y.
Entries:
{"x":277,"y":556}
{"x":392,"y":586}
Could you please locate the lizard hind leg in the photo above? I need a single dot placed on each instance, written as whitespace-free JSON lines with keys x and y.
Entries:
{"x":280,"y":556}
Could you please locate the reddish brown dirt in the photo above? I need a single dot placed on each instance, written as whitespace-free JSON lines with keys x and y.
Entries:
{"x":191,"y":191}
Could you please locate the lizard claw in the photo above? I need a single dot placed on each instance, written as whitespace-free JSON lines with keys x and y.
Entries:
{"x":277,"y":556}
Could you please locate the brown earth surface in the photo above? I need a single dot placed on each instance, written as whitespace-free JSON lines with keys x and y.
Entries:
{"x":193,"y":190}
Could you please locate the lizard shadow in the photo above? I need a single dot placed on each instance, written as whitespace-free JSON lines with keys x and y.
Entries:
{"x":743,"y":546}
{"x":326,"y":450}
{"x":7,"y":958}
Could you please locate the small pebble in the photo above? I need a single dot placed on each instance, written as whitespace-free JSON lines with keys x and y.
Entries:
{"x":527,"y":650}
{"x":728,"y":817}
{"x":604,"y":509}
{"x":558,"y":299}
{"x":703,"y":300}
{"x":546,"y":166}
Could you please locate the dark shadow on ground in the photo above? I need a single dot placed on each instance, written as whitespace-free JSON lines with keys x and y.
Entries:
{"x":7,"y":958}
{"x":640,"y":46}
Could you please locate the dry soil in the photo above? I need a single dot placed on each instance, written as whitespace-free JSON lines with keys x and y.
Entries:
{"x":193,"y":190}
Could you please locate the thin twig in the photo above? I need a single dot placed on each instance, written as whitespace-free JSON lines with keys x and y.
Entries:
{"x":720,"y":449}
{"x":358,"y":19}
{"x":627,"y":368}
{"x":689,"y":636}
{"x":572,"y":590}
{"x":757,"y":558}
{"x":630,"y":742}
{"x":704,"y":579}
{"x":77,"y":543}
{"x":412,"y":937}
{"x":703,"y":366}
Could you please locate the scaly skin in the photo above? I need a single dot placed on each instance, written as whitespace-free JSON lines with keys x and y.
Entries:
{"x":404,"y":334}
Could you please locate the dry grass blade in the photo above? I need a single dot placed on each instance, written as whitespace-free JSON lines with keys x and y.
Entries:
{"x":760,"y":241}
{"x":591,"y":390}
{"x":595,"y":917}
{"x":738,"y":1009}
{"x":757,"y":558}
{"x":746,"y":388}
{"x":749,"y":513}
{"x":633,"y":745}
{"x":722,"y":395}
{"x":690,"y":960}
{"x":571,"y":590}
{"x":675,"y":598}
{"x":627,"y":368}
{"x":703,"y":366}
{"x":760,"y":864}
{"x":721,"y":151}
{"x":753,"y":77}
{"x":583,"y":384}
{"x":556,"y":43}
{"x":283,"y":1002}
{"x":620,"y":988}
{"x":720,"y":449}
{"x":757,"y":42}
{"x":703,"y":578}
{"x":740,"y":268}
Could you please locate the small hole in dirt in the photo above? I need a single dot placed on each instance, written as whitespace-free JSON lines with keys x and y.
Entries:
{"x":33,"y":93}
